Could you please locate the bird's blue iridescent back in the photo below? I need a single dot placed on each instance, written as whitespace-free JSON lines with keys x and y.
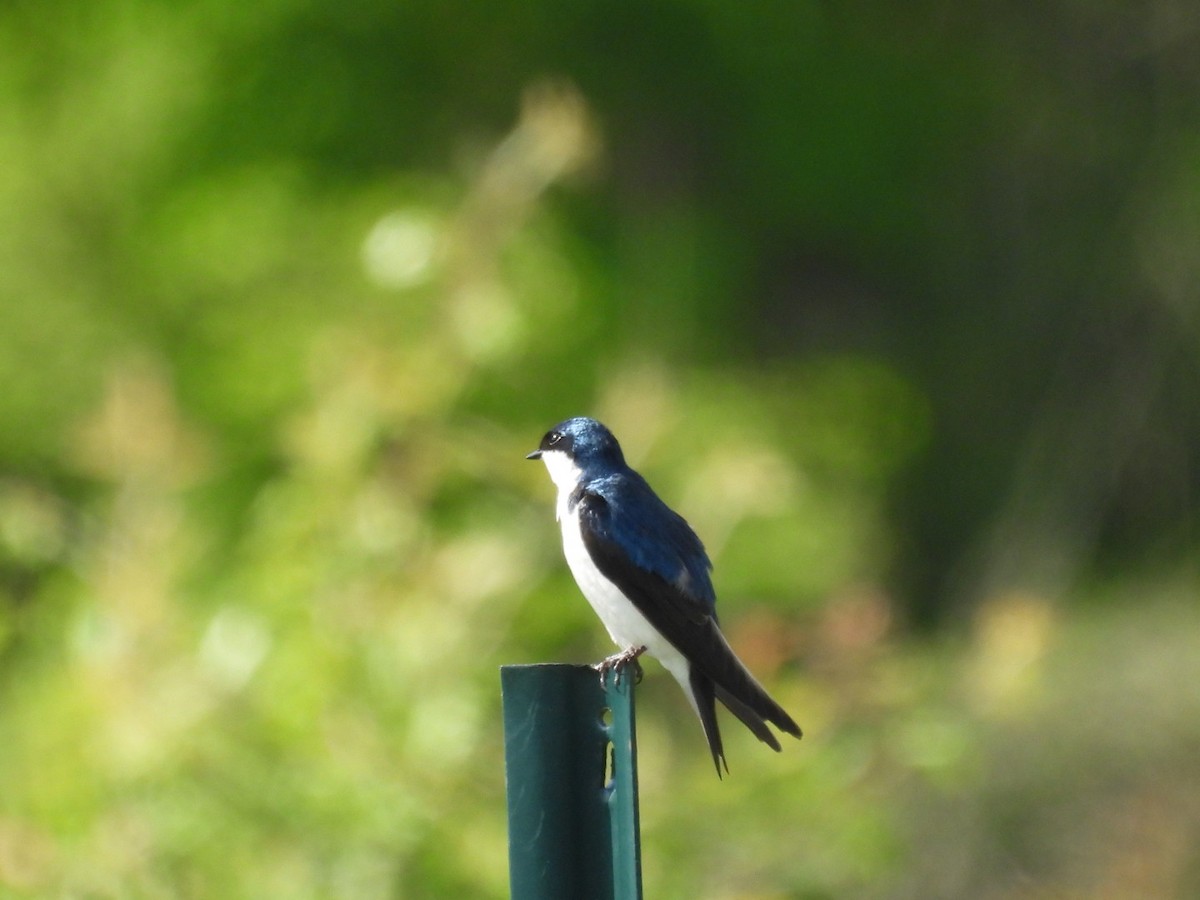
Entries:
{"x":655,"y":537}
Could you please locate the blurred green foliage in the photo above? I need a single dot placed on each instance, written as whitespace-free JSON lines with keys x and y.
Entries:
{"x":899,"y":307}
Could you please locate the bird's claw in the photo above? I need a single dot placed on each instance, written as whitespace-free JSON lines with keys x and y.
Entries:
{"x":619,"y":662}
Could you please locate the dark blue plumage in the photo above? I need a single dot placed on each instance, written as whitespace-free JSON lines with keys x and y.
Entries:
{"x":652,"y":535}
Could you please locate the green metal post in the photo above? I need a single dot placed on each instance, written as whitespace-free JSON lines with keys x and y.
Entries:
{"x":622,"y":789}
{"x":570,"y":834}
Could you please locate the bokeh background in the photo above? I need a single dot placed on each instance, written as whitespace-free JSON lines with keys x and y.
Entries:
{"x":899,"y":306}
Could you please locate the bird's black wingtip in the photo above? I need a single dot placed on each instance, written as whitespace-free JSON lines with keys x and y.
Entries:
{"x":786,"y":724}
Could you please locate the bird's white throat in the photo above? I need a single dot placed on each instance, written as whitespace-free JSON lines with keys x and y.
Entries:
{"x":565,"y":475}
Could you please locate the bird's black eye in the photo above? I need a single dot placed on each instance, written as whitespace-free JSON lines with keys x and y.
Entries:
{"x":553,"y":438}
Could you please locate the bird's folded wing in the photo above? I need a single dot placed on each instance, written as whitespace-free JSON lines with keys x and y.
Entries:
{"x":683,"y":619}
{"x":650,"y":578}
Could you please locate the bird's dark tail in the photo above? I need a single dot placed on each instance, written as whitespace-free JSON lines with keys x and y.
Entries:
{"x":734,"y":686}
{"x":703,"y":693}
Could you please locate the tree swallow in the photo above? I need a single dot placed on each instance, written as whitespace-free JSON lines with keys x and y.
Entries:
{"x":645,"y":573}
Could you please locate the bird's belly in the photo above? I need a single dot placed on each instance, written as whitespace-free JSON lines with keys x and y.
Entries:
{"x":625,"y":623}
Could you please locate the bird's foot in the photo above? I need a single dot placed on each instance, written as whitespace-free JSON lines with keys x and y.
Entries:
{"x":619,"y":662}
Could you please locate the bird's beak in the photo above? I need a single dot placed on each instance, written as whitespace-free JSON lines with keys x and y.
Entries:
{"x":536,"y":454}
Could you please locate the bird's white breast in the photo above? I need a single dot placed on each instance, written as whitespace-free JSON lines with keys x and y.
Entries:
{"x":625,"y":624}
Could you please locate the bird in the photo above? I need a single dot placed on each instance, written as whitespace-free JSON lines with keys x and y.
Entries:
{"x":646,"y":574}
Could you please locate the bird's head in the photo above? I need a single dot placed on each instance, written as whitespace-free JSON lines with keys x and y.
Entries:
{"x":578,"y":445}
